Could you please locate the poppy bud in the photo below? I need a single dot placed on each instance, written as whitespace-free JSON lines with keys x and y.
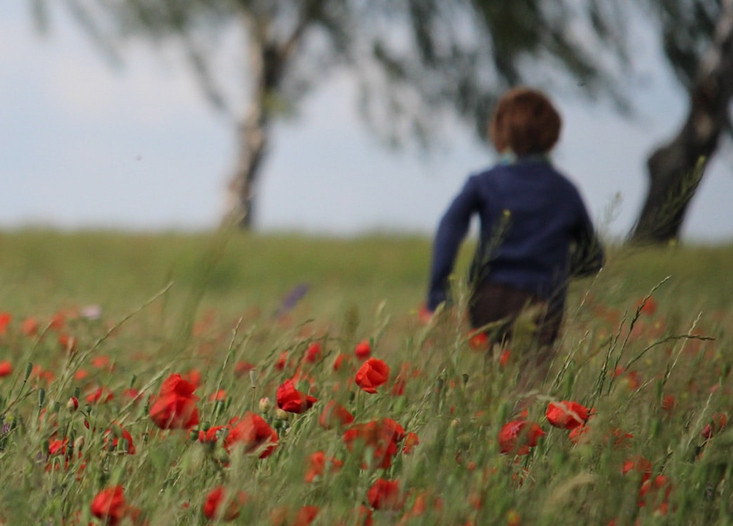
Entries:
{"x":264,"y":404}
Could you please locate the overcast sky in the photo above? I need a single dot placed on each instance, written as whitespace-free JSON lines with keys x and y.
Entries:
{"x":85,"y":145}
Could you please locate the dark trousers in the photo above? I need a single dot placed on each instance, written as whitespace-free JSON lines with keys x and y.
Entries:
{"x":500,"y":305}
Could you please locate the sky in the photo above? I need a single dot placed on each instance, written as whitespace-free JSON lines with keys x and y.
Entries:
{"x":87,"y":145}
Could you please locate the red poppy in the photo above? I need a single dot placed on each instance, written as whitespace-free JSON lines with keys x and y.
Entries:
{"x":506,"y":354}
{"x":385,"y":495}
{"x":58,"y":321}
{"x":112,"y":440}
{"x":392,"y":429}
{"x":282,"y":361}
{"x":306,"y":515}
{"x":317,"y":465}
{"x":283,"y":516}
{"x":6,"y":368}
{"x":62,"y":448}
{"x":373,"y":373}
{"x":363,"y":350}
{"x":218,"y":396}
{"x":293,"y":401}
{"x":398,"y":388}
{"x":411,"y":440}
{"x":313,"y":353}
{"x":668,"y":403}
{"x":220,"y":505}
{"x":478,"y":341}
{"x":29,"y":327}
{"x":631,"y":378}
{"x":39,"y":372}
{"x":476,"y":500}
{"x":421,"y":503}
{"x":382,"y":436}
{"x":253,"y":433}
{"x":566,"y":414}
{"x":67,"y":342}
{"x":647,"y":306}
{"x":58,"y":446}
{"x":211,"y":435}
{"x":5,"y":318}
{"x":577,"y":434}
{"x":100,"y":395}
{"x":175,"y":406}
{"x":334,"y":415}
{"x":640,"y":465}
{"x":518,"y":436}
{"x":101,"y":362}
{"x":339,"y":361}
{"x":652,"y":489}
{"x":717,"y":423}
{"x":620,"y":438}
{"x":193,"y":377}
{"x":109,"y":505}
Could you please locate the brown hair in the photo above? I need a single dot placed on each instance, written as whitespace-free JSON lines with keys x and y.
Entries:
{"x":525,"y":122}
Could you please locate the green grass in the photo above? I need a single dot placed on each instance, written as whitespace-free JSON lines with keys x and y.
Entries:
{"x":121,"y":270}
{"x":172,"y":303}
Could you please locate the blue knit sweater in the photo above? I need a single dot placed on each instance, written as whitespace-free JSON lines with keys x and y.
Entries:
{"x":535,"y":232}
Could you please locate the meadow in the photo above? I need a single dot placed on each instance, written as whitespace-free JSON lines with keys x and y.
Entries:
{"x":210,"y":378}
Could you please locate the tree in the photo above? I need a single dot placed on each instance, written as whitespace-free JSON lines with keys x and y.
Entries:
{"x":698,"y":42}
{"x":416,"y":61}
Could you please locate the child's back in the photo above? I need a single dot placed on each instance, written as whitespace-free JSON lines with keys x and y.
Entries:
{"x":535,"y":232}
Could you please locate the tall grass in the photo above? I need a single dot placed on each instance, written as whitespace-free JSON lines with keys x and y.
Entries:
{"x":644,"y":344}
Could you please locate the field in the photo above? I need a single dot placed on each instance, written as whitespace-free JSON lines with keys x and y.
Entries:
{"x":144,"y":380}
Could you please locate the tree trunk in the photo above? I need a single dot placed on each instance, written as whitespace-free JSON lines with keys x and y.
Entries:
{"x":253,"y":127}
{"x":268,"y":59}
{"x":676,"y":168}
{"x":241,"y":191}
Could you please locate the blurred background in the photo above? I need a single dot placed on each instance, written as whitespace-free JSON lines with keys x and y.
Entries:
{"x":127,"y":139}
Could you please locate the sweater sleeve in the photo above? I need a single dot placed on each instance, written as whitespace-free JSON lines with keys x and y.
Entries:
{"x":451,"y":231}
{"x":587,"y":257}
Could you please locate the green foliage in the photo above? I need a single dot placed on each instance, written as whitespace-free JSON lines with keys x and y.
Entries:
{"x":687,"y":30}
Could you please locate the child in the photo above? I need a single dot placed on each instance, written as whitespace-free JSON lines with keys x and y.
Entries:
{"x":535,"y":232}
